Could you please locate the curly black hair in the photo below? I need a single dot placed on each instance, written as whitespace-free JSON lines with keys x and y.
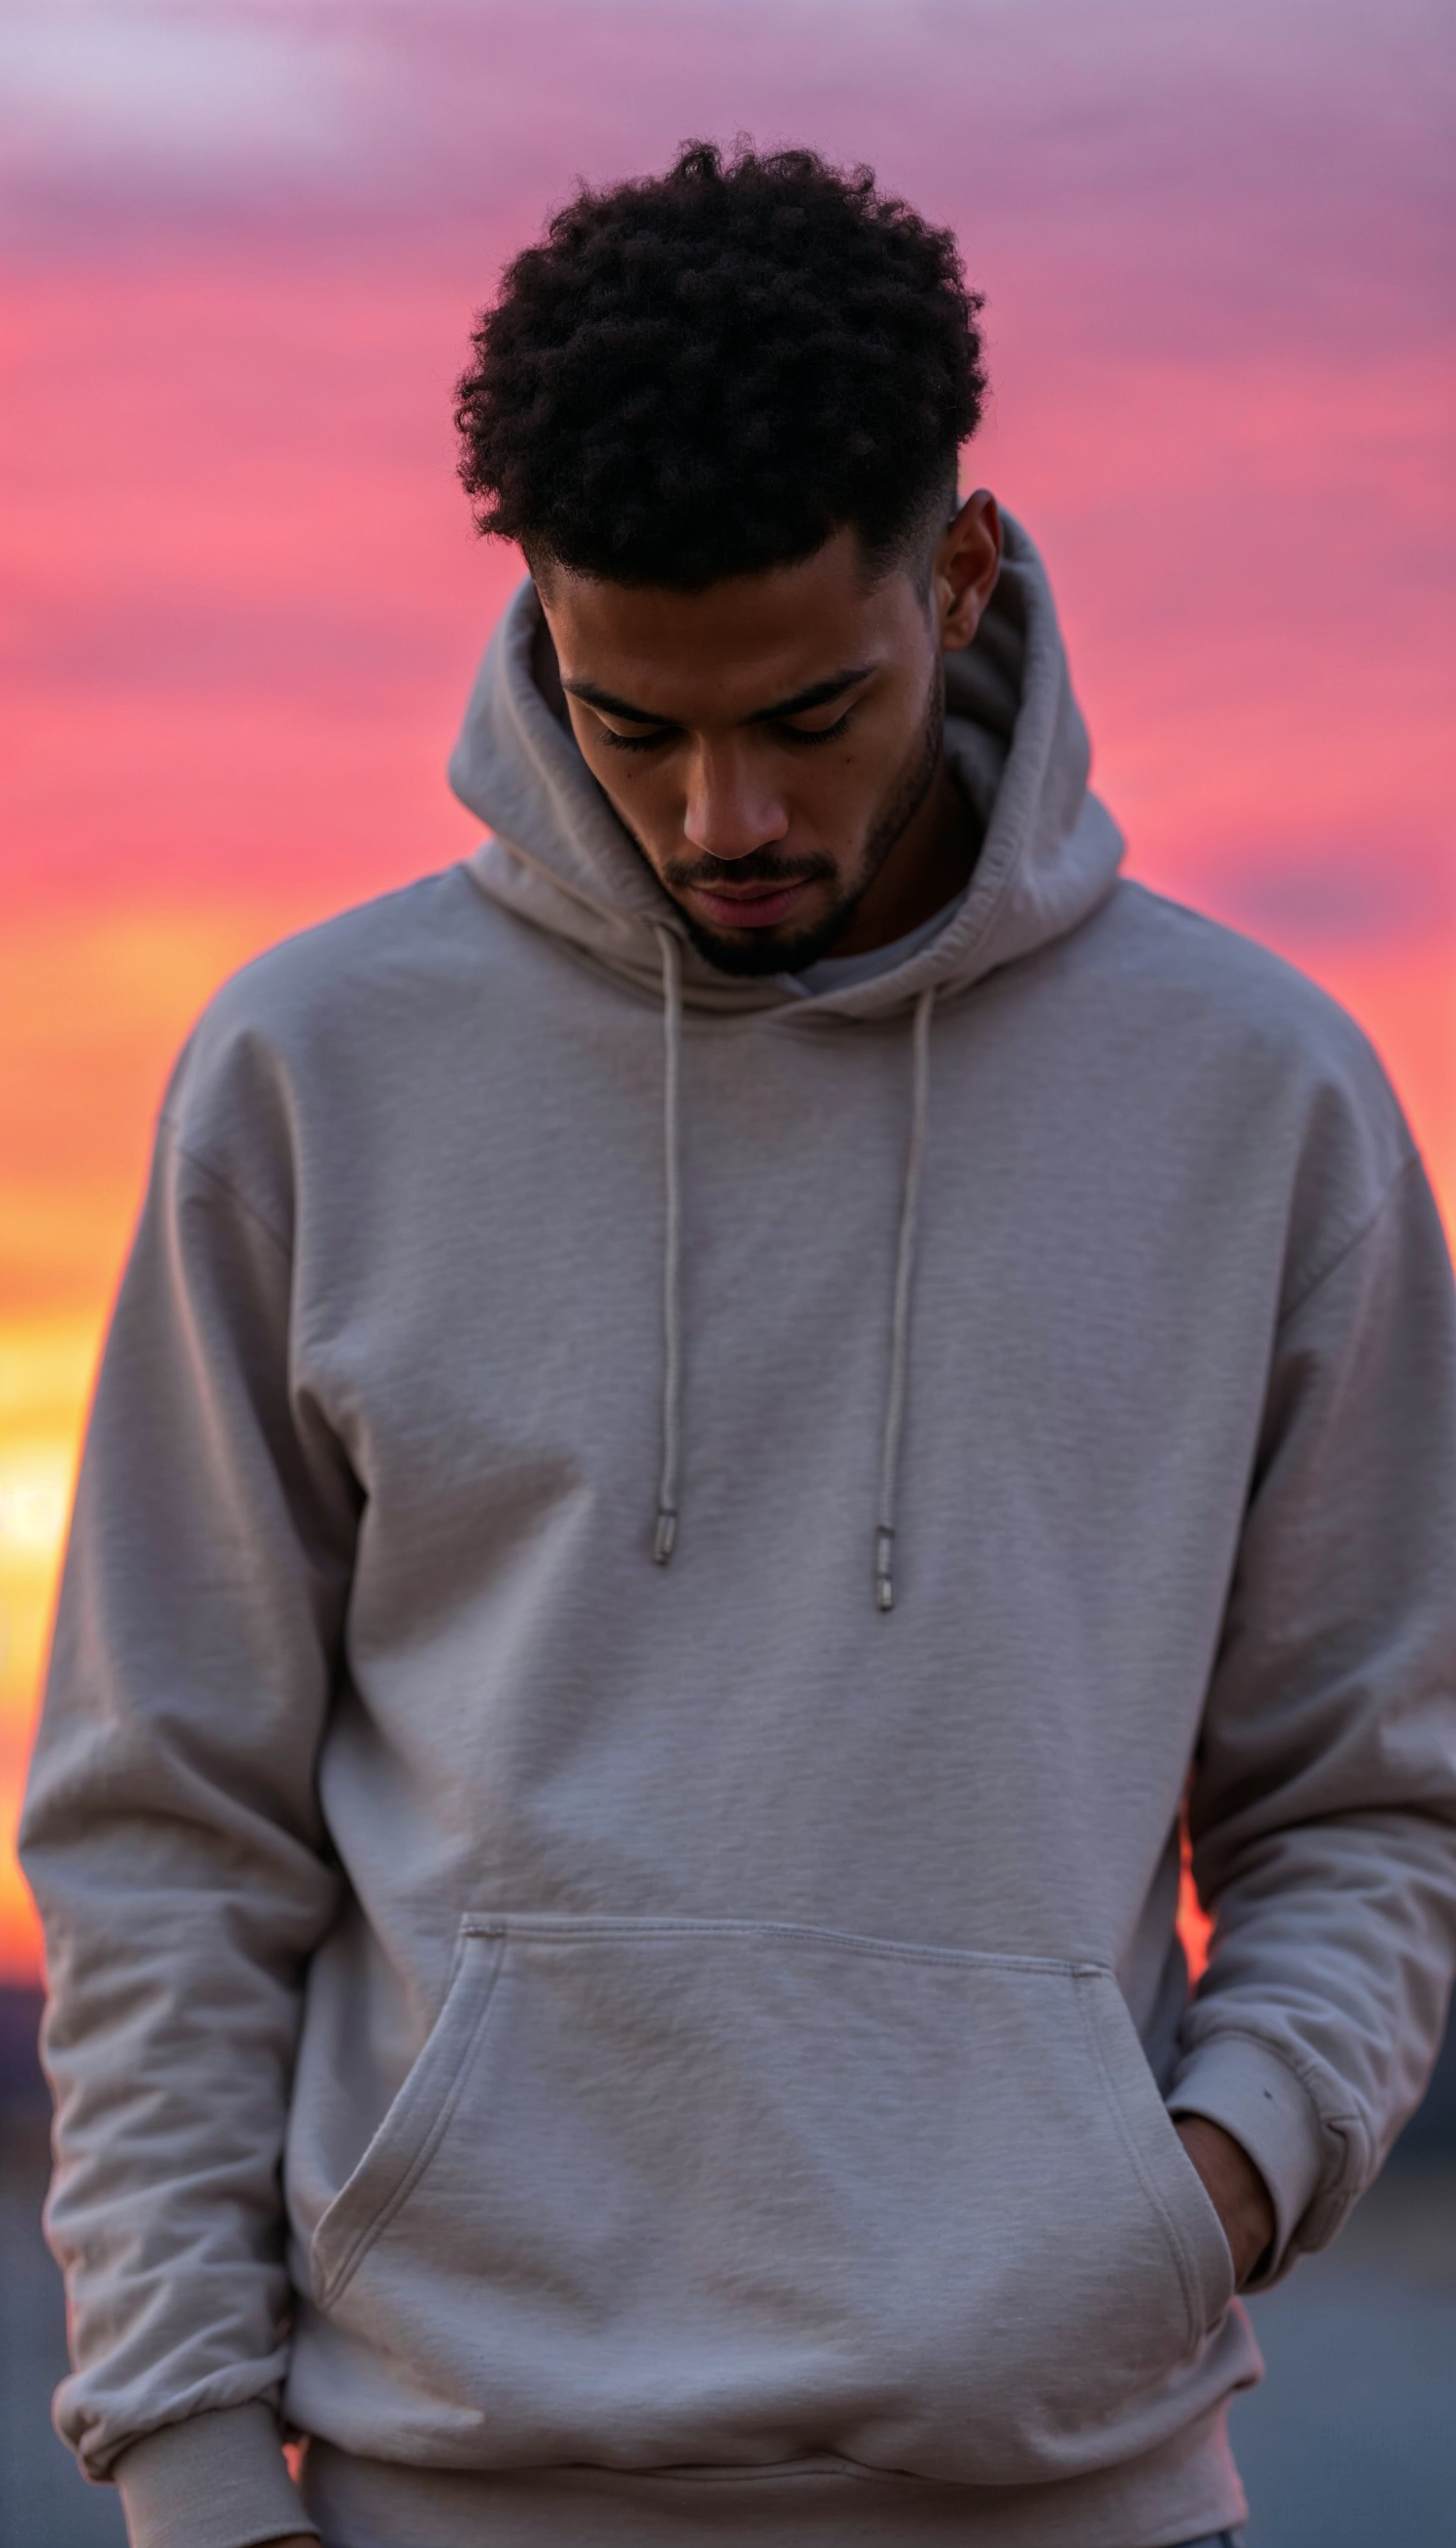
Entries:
{"x":710,"y":372}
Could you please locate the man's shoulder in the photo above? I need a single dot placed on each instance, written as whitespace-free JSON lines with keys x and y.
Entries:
{"x":1227,"y":985}
{"x":1230,"y":1032}
{"x":374,"y":974}
{"x":356,"y":998}
{"x":411,"y":942}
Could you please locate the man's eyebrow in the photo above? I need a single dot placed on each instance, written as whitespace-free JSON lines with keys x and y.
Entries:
{"x":817,"y":695}
{"x":610,"y":705}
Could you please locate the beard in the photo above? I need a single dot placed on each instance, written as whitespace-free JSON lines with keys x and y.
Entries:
{"x":761,"y":953}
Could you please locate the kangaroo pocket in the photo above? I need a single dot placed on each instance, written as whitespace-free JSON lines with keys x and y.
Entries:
{"x":719,"y":2193}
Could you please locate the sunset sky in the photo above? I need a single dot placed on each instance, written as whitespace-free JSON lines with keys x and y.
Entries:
{"x":244,"y":247}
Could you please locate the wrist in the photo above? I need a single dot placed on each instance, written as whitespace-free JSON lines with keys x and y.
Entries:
{"x":1236,"y":2189}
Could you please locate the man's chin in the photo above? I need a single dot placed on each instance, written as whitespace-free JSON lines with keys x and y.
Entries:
{"x":758,"y":954}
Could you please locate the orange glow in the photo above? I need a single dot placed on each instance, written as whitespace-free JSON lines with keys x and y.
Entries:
{"x":1222,"y":388}
{"x":1195,"y":1926}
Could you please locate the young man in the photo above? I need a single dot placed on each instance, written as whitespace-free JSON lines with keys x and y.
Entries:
{"x":717,"y":1416}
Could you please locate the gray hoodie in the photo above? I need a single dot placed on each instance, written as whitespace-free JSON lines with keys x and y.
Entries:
{"x":638,"y":2051}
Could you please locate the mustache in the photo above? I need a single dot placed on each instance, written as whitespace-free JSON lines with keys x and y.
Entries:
{"x":761,"y":867}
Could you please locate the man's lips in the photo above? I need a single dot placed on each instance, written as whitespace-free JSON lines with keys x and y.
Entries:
{"x":759,"y":906}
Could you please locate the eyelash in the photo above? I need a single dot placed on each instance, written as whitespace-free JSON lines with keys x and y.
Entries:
{"x":787,"y":734}
{"x":821,"y":734}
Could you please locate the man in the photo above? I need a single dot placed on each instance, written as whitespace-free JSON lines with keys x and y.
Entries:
{"x":716,"y":1415}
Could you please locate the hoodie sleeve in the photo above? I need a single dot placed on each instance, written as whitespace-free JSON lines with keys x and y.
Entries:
{"x":174,"y":1842}
{"x":1323,"y":1807}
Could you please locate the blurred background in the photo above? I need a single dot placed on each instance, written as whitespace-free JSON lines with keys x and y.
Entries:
{"x":243,"y":244}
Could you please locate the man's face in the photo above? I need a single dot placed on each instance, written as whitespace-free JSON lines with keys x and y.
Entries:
{"x":766,"y":743}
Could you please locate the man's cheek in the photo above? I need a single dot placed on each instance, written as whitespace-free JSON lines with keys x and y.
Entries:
{"x":650,"y":812}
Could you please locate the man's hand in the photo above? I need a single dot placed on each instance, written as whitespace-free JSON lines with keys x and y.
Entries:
{"x":1234,"y":2188}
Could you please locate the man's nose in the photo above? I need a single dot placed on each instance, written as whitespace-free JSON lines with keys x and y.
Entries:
{"x":731,"y":810}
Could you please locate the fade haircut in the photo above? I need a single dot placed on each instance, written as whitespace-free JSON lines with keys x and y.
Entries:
{"x":709,"y":373}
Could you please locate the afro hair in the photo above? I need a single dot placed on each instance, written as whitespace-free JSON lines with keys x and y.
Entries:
{"x":711,"y":372}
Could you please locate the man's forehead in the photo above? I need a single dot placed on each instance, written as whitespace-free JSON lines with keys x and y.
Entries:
{"x":731,"y":650}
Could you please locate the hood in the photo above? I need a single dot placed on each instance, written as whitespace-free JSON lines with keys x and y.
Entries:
{"x":1015,"y":737}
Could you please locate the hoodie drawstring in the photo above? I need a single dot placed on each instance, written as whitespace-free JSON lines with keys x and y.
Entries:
{"x":666,"y":1494}
{"x":894,"y":1405}
{"x":894,"y":1411}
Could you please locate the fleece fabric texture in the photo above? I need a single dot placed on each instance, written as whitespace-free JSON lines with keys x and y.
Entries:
{"x":641,"y":2049}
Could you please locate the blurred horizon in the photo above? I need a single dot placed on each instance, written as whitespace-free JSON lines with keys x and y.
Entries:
{"x":244,"y":243}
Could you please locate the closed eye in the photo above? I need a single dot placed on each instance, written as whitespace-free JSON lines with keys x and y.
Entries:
{"x":659,"y":735}
{"x":637,"y":742}
{"x":814,"y":733}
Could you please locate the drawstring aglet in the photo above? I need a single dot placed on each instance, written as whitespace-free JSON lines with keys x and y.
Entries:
{"x":667,"y":1536}
{"x":884,"y":1580}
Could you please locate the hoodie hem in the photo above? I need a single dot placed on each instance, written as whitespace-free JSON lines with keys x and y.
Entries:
{"x":1184,"y":2492}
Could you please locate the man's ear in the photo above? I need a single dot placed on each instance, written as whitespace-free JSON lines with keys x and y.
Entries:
{"x":967,"y":561}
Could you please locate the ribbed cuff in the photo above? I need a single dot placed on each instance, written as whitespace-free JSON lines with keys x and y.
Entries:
{"x":1235,"y":2081}
{"x":216,"y":2480}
